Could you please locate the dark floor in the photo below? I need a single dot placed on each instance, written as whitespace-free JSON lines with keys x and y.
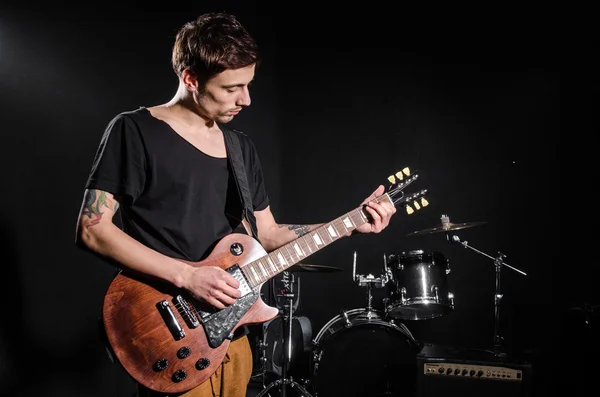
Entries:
{"x":377,"y":366}
{"x":356,"y":374}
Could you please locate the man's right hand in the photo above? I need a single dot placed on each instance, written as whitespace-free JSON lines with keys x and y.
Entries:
{"x":213,"y":285}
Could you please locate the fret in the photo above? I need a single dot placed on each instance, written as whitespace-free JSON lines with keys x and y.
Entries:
{"x":281,"y":259}
{"x":307,"y":243}
{"x":272,"y":265}
{"x":317,"y":238}
{"x":333,"y":234}
{"x":363,"y":216}
{"x":384,"y":199}
{"x":259,"y":262}
{"x":246,"y":271}
{"x":286,"y":255}
{"x":254,"y":273}
{"x":274,"y":259}
{"x":347,"y":220}
{"x":262,"y":268}
{"x":356,"y":218}
{"x":338,"y":222}
{"x":299,"y":250}
{"x":324,"y":234}
{"x":291,"y":255}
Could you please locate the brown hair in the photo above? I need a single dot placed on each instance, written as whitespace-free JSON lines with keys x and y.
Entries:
{"x":211,"y":44}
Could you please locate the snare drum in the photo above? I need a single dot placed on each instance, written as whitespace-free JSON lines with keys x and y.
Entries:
{"x":418,"y":288}
{"x":360,"y":353}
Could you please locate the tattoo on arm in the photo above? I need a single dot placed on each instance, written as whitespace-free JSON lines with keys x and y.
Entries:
{"x":94,"y":203}
{"x":300,"y":230}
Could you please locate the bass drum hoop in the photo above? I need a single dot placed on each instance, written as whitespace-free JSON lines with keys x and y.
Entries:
{"x":371,"y":316}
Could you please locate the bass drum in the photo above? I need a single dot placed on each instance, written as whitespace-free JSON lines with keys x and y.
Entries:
{"x":360,"y":353}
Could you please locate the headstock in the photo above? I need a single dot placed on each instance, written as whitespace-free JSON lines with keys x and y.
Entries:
{"x":412,"y":201}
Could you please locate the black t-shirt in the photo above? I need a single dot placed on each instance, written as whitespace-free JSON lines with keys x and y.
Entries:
{"x":175,"y":199}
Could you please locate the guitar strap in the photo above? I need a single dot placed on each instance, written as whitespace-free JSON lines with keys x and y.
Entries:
{"x":232,"y":144}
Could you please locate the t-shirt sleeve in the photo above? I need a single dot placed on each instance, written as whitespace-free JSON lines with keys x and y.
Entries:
{"x":120,"y":161}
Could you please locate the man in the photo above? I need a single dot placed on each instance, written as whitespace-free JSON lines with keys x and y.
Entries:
{"x":165,"y":169}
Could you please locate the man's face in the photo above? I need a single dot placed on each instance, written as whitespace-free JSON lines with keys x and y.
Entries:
{"x":225,"y":94}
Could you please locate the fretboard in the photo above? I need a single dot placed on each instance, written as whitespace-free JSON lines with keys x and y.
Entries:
{"x":276,"y":261}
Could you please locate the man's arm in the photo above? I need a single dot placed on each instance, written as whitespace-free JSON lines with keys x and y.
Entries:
{"x":273,"y":235}
{"x":97,"y":233}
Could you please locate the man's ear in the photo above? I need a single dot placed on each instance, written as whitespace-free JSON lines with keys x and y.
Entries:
{"x":189,"y":80}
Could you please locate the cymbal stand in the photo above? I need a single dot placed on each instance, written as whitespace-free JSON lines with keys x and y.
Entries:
{"x":284,"y":381}
{"x":498,"y":262}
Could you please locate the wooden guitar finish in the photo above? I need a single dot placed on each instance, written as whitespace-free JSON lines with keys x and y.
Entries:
{"x":139,"y":336}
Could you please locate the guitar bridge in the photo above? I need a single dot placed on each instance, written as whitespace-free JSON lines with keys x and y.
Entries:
{"x":186,"y":312}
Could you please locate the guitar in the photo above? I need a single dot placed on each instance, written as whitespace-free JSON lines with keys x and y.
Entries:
{"x":171,"y":343}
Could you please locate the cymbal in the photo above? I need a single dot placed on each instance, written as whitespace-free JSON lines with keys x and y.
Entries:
{"x":445,"y":227}
{"x":305,"y":267}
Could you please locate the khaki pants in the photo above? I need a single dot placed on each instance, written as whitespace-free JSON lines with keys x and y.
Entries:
{"x":229,"y":380}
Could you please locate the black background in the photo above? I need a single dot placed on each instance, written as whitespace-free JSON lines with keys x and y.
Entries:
{"x":343,"y":98}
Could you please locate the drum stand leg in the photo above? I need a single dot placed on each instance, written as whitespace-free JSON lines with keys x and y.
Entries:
{"x":498,"y":340}
{"x":284,"y":381}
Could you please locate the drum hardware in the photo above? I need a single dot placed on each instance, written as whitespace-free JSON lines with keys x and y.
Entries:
{"x":445,"y":226}
{"x":369,"y":281}
{"x":498,"y":263}
{"x":288,"y":311}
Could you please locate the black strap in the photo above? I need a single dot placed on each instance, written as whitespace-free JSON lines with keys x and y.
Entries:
{"x":232,"y":144}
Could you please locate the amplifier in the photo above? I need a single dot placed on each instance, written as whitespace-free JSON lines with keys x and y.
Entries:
{"x":450,"y":371}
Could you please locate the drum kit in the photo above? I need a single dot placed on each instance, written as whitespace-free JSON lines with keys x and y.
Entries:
{"x":370,"y":344}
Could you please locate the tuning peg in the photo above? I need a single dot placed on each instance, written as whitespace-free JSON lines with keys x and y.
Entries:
{"x":409,"y":210}
{"x":391,"y":179}
{"x":399,"y":175}
{"x":406,"y":171}
{"x":417,"y":205}
{"x":424,"y":202}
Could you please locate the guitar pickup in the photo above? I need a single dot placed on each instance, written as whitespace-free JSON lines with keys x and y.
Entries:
{"x":236,"y":272}
{"x":170,"y":320}
{"x":186,"y":312}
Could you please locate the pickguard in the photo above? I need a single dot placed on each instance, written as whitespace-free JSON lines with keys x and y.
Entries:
{"x":218,"y":325}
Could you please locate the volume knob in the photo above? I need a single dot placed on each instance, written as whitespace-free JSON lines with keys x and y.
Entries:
{"x":184,"y":352}
{"x":203,"y":363}
{"x":179,"y":375}
{"x":160,"y":364}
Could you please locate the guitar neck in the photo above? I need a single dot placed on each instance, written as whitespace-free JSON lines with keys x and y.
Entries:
{"x":277,"y":261}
